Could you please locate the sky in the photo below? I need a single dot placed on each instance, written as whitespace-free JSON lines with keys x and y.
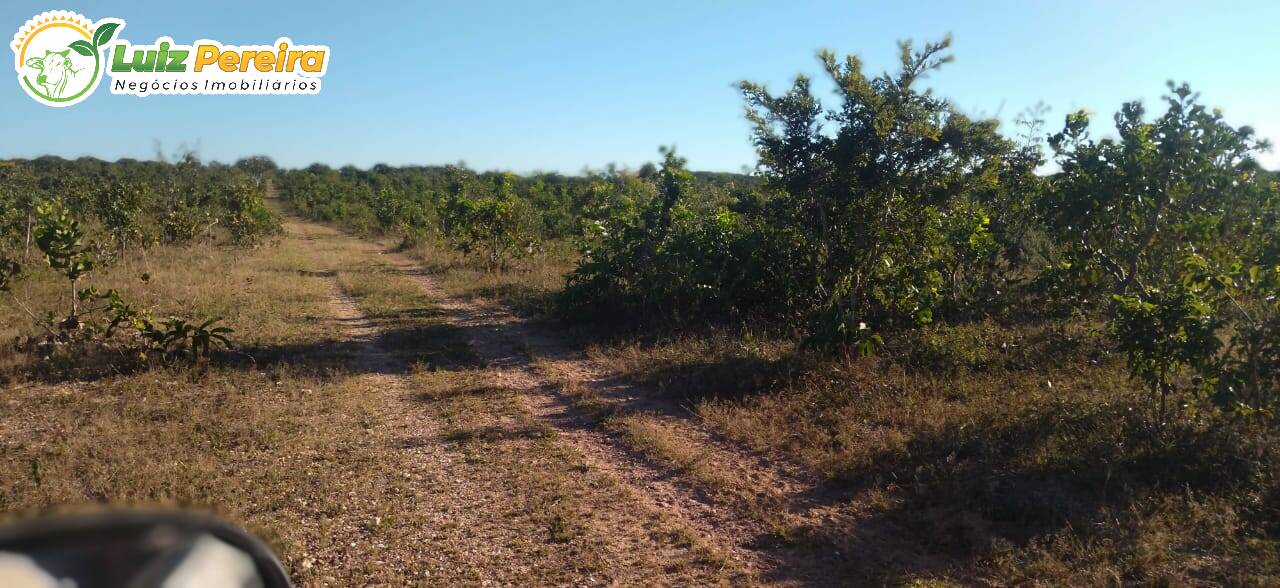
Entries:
{"x":525,"y":85}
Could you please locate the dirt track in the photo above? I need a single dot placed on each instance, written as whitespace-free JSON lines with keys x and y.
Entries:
{"x":738,"y":520}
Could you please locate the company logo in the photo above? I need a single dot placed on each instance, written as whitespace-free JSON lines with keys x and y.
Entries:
{"x":61,"y":57}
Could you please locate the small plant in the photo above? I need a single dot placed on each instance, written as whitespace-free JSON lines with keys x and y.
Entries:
{"x":1165,"y":335}
{"x":171,"y":339}
{"x":120,"y":207}
{"x":61,"y":238}
{"x":179,"y":338}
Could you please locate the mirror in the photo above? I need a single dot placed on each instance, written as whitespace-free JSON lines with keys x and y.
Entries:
{"x":134,"y":549}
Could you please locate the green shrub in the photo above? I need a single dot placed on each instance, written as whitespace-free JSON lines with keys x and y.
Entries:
{"x":949,"y":347}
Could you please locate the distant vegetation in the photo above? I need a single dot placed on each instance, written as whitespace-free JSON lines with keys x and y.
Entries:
{"x":494,"y":216}
{"x":78,"y":217}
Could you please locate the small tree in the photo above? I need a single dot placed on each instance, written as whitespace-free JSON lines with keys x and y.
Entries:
{"x":1137,"y":207}
{"x":498,"y":229}
{"x":60,"y":237}
{"x":1245,"y":378}
{"x":120,"y":206}
{"x":1164,"y":335}
{"x":1180,"y":221}
{"x":661,"y":258}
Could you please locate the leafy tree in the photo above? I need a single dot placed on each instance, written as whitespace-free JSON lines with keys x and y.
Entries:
{"x":260,"y":168}
{"x":662,"y":258}
{"x":121,"y":206}
{"x":1244,"y":377}
{"x":1177,"y":220}
{"x":61,"y":238}
{"x":1169,"y":331}
{"x":1136,"y":207}
{"x":498,"y":229}
{"x":866,"y":217}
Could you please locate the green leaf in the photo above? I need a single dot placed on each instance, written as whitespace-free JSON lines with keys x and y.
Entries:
{"x":83,"y":47}
{"x":103,"y":35}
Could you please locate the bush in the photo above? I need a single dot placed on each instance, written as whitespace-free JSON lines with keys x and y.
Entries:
{"x":660,"y":261}
{"x":845,"y":238}
{"x":497,"y":229}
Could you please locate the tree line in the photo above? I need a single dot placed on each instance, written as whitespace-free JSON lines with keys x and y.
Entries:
{"x":497,"y":216}
{"x":131,"y":204}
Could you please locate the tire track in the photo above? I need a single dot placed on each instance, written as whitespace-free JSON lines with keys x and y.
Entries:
{"x":508,"y":344}
{"x":646,"y":490}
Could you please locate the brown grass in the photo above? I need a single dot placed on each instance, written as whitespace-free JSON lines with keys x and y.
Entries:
{"x":580,"y":514}
{"x":528,"y":286}
{"x":1014,"y":454}
{"x":281,"y":448}
{"x":432,"y":476}
{"x":971,"y":453}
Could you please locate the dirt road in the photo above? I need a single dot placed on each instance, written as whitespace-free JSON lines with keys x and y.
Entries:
{"x":729,"y":509}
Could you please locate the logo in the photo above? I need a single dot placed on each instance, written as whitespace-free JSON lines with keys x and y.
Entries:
{"x":62,"y":56}
{"x":209,"y":67}
{"x":59,"y":56}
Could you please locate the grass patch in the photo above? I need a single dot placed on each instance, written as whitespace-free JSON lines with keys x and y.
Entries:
{"x":583,"y":518}
{"x":528,"y":287}
{"x":1005,"y":451}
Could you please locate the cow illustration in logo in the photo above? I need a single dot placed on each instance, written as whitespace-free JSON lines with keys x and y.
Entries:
{"x":59,"y":56}
{"x":55,"y":71}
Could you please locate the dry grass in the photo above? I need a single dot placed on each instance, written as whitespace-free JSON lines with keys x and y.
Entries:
{"x":433,"y":476}
{"x":291,"y":449}
{"x":583,"y":527}
{"x":1013,"y":454}
{"x":528,"y":287}
{"x":700,"y":462}
{"x":247,"y":289}
{"x":672,"y":443}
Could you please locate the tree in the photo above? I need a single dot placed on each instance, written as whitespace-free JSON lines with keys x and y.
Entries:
{"x":660,"y":256}
{"x":1135,"y":208}
{"x":496,"y":228}
{"x":259,"y":167}
{"x":19,"y":197}
{"x":861,"y":216}
{"x":120,"y":205}
{"x":61,"y":238}
{"x":1179,"y":221}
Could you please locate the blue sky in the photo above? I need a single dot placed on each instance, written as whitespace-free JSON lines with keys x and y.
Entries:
{"x":525,"y":85}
